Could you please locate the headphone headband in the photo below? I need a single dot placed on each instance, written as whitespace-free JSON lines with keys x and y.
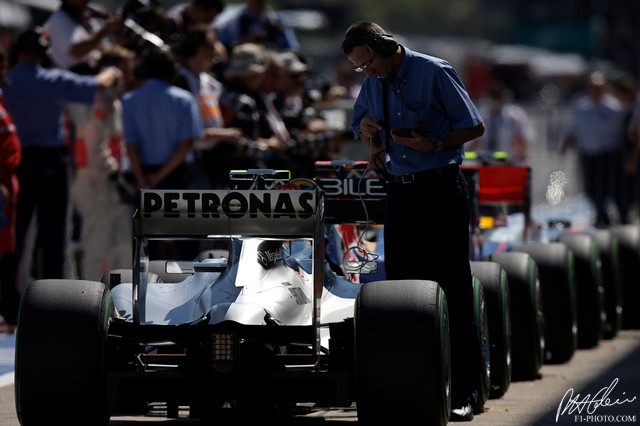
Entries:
{"x":382,"y":44}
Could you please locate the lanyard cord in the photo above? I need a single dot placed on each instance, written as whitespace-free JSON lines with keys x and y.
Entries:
{"x":385,"y":116}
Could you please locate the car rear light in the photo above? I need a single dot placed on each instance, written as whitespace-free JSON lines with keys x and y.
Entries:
{"x":223,"y":347}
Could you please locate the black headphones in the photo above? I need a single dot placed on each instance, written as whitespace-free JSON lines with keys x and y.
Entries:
{"x":382,"y":44}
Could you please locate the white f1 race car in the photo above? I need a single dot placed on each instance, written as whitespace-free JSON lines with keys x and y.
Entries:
{"x":270,"y":326}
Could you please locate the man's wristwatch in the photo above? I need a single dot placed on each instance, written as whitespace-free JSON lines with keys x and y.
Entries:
{"x":439,"y":148}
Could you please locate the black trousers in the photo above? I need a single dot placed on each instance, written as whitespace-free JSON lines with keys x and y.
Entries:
{"x":601,"y":180}
{"x":426,"y":236}
{"x":44,"y":176}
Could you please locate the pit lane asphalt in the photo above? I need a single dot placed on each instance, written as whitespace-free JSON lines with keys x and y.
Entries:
{"x":612,"y":368}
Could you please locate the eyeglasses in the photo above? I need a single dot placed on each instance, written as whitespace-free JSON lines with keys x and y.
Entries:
{"x":361,"y":68}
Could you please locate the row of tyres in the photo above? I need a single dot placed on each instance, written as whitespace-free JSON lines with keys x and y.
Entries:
{"x":545,"y":300}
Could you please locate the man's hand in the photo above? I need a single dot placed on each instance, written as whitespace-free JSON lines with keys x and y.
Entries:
{"x":417,"y":142}
{"x":369,"y":127}
{"x":109,"y":78}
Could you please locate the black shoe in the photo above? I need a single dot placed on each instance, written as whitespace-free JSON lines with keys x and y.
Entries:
{"x":461,"y":411}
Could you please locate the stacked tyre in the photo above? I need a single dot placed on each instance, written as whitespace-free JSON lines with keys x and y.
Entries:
{"x":527,"y":342}
{"x":497,"y":319}
{"x":555,"y":263}
{"x":590,"y":309}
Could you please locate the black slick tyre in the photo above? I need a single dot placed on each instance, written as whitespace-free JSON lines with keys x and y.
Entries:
{"x":588,"y":284}
{"x":482,"y":324}
{"x":496,"y":294}
{"x":556,"y":270}
{"x":609,"y":251}
{"x":61,"y":353}
{"x":402,"y":353}
{"x":527,"y":320}
{"x":629,"y":247}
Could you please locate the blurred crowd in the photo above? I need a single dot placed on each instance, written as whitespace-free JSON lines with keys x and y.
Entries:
{"x":600,"y":135}
{"x":95,"y":106}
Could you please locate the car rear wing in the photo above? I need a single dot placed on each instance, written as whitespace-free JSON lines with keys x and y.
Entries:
{"x":215,"y":214}
{"x":227,"y":213}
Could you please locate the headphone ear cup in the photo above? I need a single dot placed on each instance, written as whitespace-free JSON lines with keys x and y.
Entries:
{"x":384,"y":46}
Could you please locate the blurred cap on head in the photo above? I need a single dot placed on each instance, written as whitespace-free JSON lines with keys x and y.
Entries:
{"x":292,"y":63}
{"x":247,"y":59}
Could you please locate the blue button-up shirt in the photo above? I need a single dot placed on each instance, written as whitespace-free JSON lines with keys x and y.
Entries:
{"x":157,"y":118}
{"x":597,"y":126}
{"x":35,"y":97}
{"x":426,"y":92}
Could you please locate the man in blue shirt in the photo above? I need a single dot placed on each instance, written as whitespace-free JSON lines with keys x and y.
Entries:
{"x":35,"y":98}
{"x":160,"y":124}
{"x":426,"y":215}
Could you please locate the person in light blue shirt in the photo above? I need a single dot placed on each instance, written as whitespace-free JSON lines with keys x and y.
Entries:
{"x":160,"y":123}
{"x":414,"y":115}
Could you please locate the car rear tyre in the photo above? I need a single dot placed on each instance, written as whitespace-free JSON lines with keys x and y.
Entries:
{"x":496,"y":293}
{"x":527,"y":322}
{"x":402,"y":353}
{"x":61,"y":353}
{"x":556,"y":269}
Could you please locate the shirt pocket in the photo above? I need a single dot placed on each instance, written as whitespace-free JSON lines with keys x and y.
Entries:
{"x":424,"y":117}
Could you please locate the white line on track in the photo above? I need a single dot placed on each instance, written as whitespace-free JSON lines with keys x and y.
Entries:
{"x":6,"y":379}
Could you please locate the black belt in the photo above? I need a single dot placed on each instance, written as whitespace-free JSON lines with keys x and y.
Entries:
{"x":451,"y":169}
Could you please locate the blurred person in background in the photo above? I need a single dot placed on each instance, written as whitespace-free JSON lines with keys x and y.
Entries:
{"x":313,"y":139}
{"x":198,"y":12}
{"x":631,"y":151}
{"x":160,"y":124}
{"x":99,"y":191}
{"x":256,"y":23}
{"x":290,"y":89}
{"x":197,"y":53}
{"x":596,"y":130}
{"x":244,"y":106}
{"x":77,"y":37}
{"x":347,"y":85}
{"x":10,"y":157}
{"x":35,"y":98}
{"x":507,"y":126}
